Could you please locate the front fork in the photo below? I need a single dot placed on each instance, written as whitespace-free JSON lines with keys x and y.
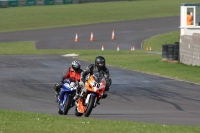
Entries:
{"x":88,"y":99}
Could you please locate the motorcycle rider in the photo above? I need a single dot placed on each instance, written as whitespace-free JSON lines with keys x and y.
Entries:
{"x":73,"y":74}
{"x":98,"y":66}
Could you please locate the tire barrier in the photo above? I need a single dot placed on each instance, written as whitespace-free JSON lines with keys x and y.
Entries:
{"x":176,"y":52}
{"x":170,"y":52}
{"x":164,"y":52}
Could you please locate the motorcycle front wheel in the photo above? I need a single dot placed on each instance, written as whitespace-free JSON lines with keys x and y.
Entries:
{"x":60,"y":111}
{"x":67,"y":104}
{"x":90,"y":106}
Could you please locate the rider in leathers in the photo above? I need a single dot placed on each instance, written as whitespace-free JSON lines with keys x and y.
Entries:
{"x":73,"y":73}
{"x":99,"y":66}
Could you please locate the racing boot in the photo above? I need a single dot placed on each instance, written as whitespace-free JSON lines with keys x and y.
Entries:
{"x":57,"y":88}
{"x":76,"y":97}
{"x":98,"y":101}
{"x":104,"y":95}
{"x":56,"y":96}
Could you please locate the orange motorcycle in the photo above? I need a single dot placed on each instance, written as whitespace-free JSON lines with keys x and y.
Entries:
{"x":92,"y":92}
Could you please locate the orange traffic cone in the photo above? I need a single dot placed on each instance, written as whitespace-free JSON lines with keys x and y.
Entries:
{"x":118,"y":48}
{"x":113,"y":35}
{"x":147,"y":48}
{"x":76,"y":38}
{"x":102,"y":48}
{"x":91,"y":37}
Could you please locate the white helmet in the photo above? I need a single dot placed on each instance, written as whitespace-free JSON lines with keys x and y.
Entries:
{"x":76,"y":65}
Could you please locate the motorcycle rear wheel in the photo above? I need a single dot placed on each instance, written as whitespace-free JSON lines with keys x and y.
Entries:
{"x":77,"y":113}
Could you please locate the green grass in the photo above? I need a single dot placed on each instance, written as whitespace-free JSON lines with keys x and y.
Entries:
{"x":156,"y":42}
{"x":35,"y":17}
{"x":23,"y":122}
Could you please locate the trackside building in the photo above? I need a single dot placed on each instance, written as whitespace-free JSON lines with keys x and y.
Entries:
{"x":189,"y":48}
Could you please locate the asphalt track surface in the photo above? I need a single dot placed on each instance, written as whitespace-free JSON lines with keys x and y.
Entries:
{"x":27,"y":80}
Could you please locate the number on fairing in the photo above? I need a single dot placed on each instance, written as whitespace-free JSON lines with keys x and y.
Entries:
{"x":96,"y":84}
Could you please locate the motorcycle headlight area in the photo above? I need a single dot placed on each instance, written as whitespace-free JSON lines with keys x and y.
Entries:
{"x":72,"y":85}
{"x":95,"y":84}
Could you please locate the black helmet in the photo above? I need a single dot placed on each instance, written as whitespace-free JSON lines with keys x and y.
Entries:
{"x":100,"y":62}
{"x":76,"y":65}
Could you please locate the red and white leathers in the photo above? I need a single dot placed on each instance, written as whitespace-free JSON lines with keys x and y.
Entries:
{"x":72,"y":75}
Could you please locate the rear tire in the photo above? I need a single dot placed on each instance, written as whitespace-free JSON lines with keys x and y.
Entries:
{"x":90,"y":106}
{"x":67,"y":104}
{"x":77,"y":113}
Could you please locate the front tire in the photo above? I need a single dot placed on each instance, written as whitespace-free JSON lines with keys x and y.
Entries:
{"x":67,"y":104}
{"x":60,"y":111}
{"x":90,"y":106}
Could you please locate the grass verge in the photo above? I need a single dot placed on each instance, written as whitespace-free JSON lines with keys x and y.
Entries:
{"x":156,"y":42}
{"x":23,"y":122}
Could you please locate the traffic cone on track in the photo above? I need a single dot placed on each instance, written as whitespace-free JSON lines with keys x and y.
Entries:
{"x":117,"y":48}
{"x":91,"y":37}
{"x":102,"y":48}
{"x":76,"y":38}
{"x":113,"y":35}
